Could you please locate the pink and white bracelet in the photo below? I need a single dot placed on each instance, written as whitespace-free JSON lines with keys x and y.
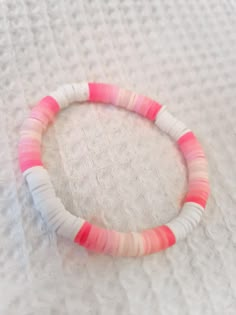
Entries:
{"x":77,"y":229}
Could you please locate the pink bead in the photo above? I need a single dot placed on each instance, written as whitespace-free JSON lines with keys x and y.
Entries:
{"x":24,"y":165}
{"x":45,"y":110}
{"x":82,"y":235}
{"x":50,"y":103}
{"x":106,"y":93}
{"x":107,"y":241}
{"x":198,"y":188}
{"x":102,"y":93}
{"x":147,"y":107}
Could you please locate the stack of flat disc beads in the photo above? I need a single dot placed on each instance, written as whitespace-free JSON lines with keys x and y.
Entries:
{"x":80,"y":231}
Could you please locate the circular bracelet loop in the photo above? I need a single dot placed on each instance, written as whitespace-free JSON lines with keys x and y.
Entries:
{"x":77,"y":229}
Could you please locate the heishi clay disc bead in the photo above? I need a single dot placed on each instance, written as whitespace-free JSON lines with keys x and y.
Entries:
{"x":80,"y":231}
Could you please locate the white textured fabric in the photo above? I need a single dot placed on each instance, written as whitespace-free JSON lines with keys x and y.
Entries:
{"x":112,"y":167}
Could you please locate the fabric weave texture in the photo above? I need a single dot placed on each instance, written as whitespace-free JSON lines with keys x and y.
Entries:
{"x":112,"y":167}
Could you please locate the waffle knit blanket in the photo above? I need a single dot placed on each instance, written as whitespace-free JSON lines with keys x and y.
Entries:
{"x":112,"y":167}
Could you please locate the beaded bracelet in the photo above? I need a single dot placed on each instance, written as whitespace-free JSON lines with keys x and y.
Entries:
{"x":77,"y":229}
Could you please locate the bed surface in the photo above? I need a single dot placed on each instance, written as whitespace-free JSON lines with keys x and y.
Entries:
{"x":112,"y":167}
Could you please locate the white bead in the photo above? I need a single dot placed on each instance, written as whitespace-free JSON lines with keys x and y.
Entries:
{"x":186,"y":221}
{"x":81,"y":91}
{"x":170,"y":125}
{"x":71,"y":93}
{"x":51,"y":207}
{"x":60,"y":97}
